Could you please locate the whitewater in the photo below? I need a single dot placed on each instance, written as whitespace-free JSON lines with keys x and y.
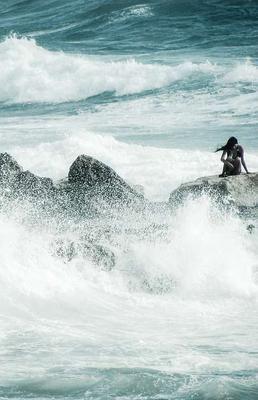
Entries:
{"x":151,"y":89}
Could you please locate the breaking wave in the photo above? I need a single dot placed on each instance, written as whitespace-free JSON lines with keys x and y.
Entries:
{"x":30,"y":73}
{"x":162,"y":256}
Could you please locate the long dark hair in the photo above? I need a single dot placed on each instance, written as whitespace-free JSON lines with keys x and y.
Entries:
{"x":229,"y":145}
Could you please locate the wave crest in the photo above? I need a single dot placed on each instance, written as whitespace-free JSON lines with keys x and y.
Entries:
{"x":30,"y":73}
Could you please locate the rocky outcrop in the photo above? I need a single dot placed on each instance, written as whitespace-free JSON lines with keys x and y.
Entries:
{"x":29,"y":184}
{"x":91,"y":172}
{"x":98,"y":179}
{"x":91,"y":188}
{"x":9,"y":169}
{"x":16,"y":182}
{"x":240,"y":190}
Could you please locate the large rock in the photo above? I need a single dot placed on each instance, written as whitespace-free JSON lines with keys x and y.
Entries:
{"x":9,"y":169}
{"x":99,"y":180}
{"x":30,"y":184}
{"x":15,"y":181}
{"x":240,"y":190}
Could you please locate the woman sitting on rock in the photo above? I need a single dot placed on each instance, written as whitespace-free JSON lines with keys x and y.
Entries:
{"x":232,"y":157}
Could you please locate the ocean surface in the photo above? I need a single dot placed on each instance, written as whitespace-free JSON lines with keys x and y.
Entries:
{"x":151,"y":89}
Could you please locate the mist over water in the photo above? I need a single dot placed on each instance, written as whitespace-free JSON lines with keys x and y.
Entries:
{"x":151,"y":89}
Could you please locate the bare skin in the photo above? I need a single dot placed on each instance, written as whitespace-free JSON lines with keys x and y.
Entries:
{"x":232,"y":164}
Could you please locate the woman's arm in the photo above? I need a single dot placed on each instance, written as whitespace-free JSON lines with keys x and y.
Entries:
{"x":223,"y":157}
{"x":242,"y":159}
{"x":226,"y":160}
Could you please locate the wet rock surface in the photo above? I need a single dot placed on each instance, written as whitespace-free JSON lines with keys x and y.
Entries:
{"x":98,"y":178}
{"x":239,"y":190}
{"x":14,"y":181}
{"x":9,"y":169}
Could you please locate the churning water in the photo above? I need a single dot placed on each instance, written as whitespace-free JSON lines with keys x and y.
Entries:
{"x":151,"y":89}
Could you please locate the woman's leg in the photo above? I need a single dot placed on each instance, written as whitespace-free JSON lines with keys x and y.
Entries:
{"x":237,"y":166}
{"x":228,"y":167}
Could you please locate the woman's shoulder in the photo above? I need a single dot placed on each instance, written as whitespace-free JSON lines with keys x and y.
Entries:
{"x":240,"y":149}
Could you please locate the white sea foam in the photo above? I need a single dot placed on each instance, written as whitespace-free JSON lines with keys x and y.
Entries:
{"x":206,"y":256}
{"x":139,"y":11}
{"x":30,"y":73}
{"x":32,"y":277}
{"x":87,"y":317}
{"x":244,"y":72}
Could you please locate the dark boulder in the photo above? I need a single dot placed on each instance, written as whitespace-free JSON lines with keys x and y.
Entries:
{"x":87,"y":170}
{"x":16,"y":182}
{"x":99,"y":180}
{"x":9,"y":169}
{"x":29,"y":184}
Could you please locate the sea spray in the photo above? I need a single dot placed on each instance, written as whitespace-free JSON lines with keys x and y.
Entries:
{"x":176,"y":287}
{"x":199,"y":251}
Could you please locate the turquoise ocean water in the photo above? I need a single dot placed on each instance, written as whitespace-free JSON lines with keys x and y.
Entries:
{"x":151,"y":89}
